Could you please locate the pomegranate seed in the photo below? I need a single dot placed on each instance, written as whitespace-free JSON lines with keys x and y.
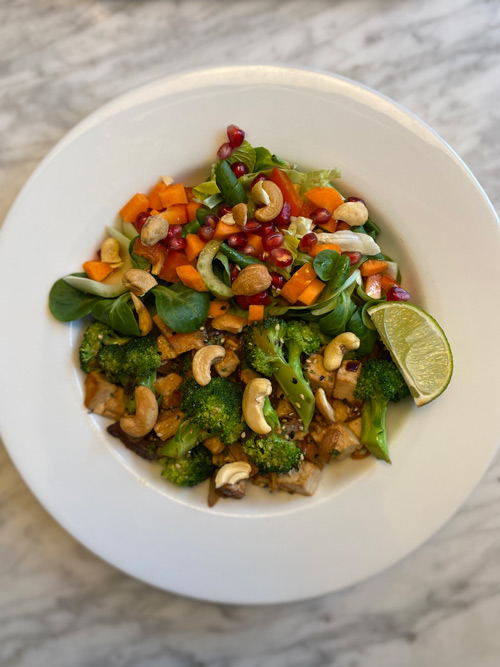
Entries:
{"x":224,"y":151}
{"x":397,"y":294}
{"x":252,"y":227}
{"x":239,"y":169}
{"x":233,"y":271}
{"x":272,"y":241}
{"x":206,"y":233}
{"x":177,"y":243}
{"x":282,"y":257}
{"x":355,"y":199}
{"x":267,"y":228}
{"x":235,"y":136}
{"x":211,"y":220}
{"x":283,"y":219}
{"x":260,"y":299}
{"x":140,"y":220}
{"x":223,"y":209}
{"x":321,"y":216}
{"x":242,"y":301}
{"x":238,"y":240}
{"x":173,"y":231}
{"x":277,"y":281}
{"x":308,"y":241}
{"x":248,"y":249}
{"x":257,"y":179}
{"x":354,"y":257}
{"x":265,"y":257}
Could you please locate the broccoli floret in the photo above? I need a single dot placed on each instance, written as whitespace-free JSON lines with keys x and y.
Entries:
{"x":272,"y":453}
{"x":274,"y":347}
{"x":379,"y":382}
{"x":137,"y":359}
{"x":187,"y":436}
{"x":96,"y":335}
{"x":214,"y":408}
{"x":191,"y":469}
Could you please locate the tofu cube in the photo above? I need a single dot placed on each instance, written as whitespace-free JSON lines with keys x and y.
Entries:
{"x":304,"y":481}
{"x":347,"y":378}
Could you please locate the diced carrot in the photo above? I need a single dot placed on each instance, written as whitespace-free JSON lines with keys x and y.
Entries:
{"x":330,"y":226}
{"x":173,"y":194}
{"x":288,"y":190}
{"x":217,"y":308}
{"x":372,"y":266}
{"x":190,"y":277}
{"x":316,"y":249}
{"x":156,"y":254}
{"x":97,"y":270}
{"x":194,"y":246}
{"x":138,"y":204}
{"x":307,"y":208}
{"x":255,"y":314}
{"x":174,"y":259}
{"x":325,"y":197}
{"x":342,"y":226}
{"x":386,"y":282}
{"x":298,"y":283}
{"x":191,"y":208}
{"x":189,"y":193}
{"x":222,"y":231}
{"x":256,"y":242}
{"x":373,"y":286}
{"x":175,"y":215}
{"x":154,"y":197}
{"x":311,"y":292}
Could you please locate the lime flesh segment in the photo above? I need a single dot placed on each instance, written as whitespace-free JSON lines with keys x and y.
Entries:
{"x":417,"y":345}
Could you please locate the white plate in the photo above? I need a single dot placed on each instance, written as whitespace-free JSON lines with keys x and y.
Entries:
{"x":366,"y":515}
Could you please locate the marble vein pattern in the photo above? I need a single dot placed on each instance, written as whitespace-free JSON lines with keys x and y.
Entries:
{"x":62,"y":606}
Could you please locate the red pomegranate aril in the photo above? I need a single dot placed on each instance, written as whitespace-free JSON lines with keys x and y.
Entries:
{"x":282,"y":257}
{"x":239,"y":169}
{"x":177,"y":243}
{"x":238,"y":240}
{"x":321,"y":216}
{"x":267,"y":228}
{"x":272,"y":241}
{"x":308,"y":241}
{"x":248,"y":249}
{"x":140,"y":220}
{"x":277,"y":281}
{"x":233,"y":271}
{"x":211,"y":220}
{"x":224,"y":209}
{"x":242,"y":301}
{"x":257,"y":179}
{"x":354,"y":257}
{"x":355,"y":199}
{"x":206,"y":233}
{"x":397,"y":294}
{"x":225,"y":151}
{"x":252,"y":227}
{"x":260,"y":299}
{"x":235,"y":135}
{"x":265,"y":257}
{"x":173,"y":231}
{"x":283,"y":219}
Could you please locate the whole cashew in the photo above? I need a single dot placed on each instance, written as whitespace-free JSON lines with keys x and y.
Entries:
{"x":251,"y":280}
{"x":336,"y":348}
{"x":146,"y":414}
{"x":145,"y":319}
{"x":352,"y":212}
{"x":231,"y":473}
{"x":254,"y":397}
{"x":110,"y":253}
{"x":240,"y":214}
{"x":271,"y":210}
{"x":138,"y":281}
{"x":323,"y":405}
{"x":203,"y":360}
{"x":155,"y":229}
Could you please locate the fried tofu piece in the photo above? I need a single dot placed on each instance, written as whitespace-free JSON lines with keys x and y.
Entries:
{"x":340,"y":441}
{"x":356,"y":425}
{"x":304,"y":481}
{"x":317,"y":374}
{"x":228,"y":365}
{"x":347,"y":379}
{"x":185,"y":342}
{"x":166,"y":350}
{"x":168,"y":387}
{"x":103,"y":397}
{"x":168,"y":423}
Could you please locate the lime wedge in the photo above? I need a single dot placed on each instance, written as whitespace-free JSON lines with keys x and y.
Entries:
{"x":417,"y":345}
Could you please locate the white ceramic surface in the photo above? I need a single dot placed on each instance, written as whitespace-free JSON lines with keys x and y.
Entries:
{"x":365,"y":516}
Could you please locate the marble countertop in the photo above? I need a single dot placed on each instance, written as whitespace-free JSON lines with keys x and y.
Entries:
{"x":62,"y":606}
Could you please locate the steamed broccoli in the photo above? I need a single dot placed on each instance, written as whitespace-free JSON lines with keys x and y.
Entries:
{"x":187,"y":436}
{"x":380,"y":382}
{"x":135,"y":360}
{"x":96,"y":335}
{"x":274,"y":347}
{"x":195,"y":467}
{"x":215,"y":408}
{"x":273,"y":453}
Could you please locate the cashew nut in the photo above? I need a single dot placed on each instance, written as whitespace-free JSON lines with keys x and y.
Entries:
{"x":336,"y":348}
{"x":251,"y":280}
{"x":168,"y":180}
{"x":254,"y":397}
{"x":271,"y":210}
{"x":203,"y":360}
{"x":323,"y":405}
{"x":228,"y":219}
{"x":352,"y":212}
{"x":259,"y":195}
{"x":231,"y":473}
{"x":146,"y":414}
{"x":145,"y":319}
{"x":155,"y":229}
{"x":138,"y":281}
{"x":110,"y":253}
{"x":240,"y":214}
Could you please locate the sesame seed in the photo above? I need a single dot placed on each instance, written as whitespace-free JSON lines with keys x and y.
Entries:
{"x":321,"y":378}
{"x":243,"y":434}
{"x":294,"y":380}
{"x":297,"y":404}
{"x":303,"y":397}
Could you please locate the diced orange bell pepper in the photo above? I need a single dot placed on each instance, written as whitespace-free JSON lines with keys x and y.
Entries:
{"x":343,"y":226}
{"x":175,"y":215}
{"x":156,"y":254}
{"x":174,"y":259}
{"x":311,"y":292}
{"x":298,"y":283}
{"x":316,"y":249}
{"x":154,"y":197}
{"x":256,"y":242}
{"x":172,"y":195}
{"x":386,"y":282}
{"x":372,"y":266}
{"x":222,"y":231}
{"x":191,"y":208}
{"x":330,"y":226}
{"x":217,"y":308}
{"x":255,"y":313}
{"x":194,"y":245}
{"x":138,"y":204}
{"x":288,"y":190}
{"x":97,"y":270}
{"x":190,"y":277}
{"x":189,"y":193}
{"x":324,"y":197}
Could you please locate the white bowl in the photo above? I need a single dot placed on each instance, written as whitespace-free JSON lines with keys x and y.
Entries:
{"x":366,"y":515}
